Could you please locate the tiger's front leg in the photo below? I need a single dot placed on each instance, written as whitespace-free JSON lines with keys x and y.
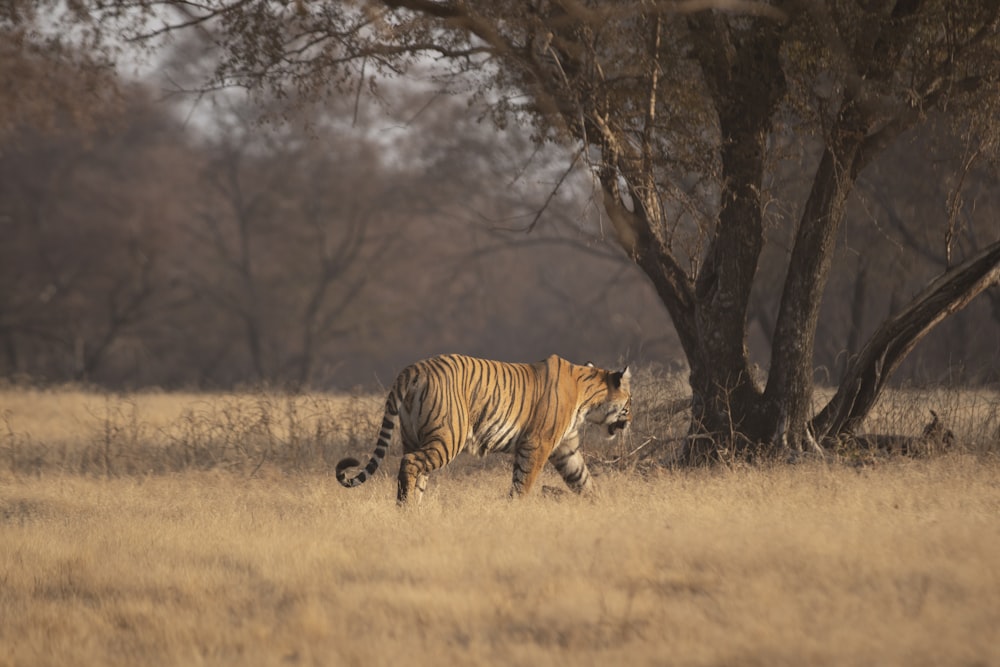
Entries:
{"x":529,"y":459}
{"x":568,"y":460}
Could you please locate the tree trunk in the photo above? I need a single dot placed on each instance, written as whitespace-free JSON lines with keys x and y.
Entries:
{"x":742,"y":69}
{"x":788,"y":395}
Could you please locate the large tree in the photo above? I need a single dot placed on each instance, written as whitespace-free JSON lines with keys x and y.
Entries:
{"x":683,"y":112}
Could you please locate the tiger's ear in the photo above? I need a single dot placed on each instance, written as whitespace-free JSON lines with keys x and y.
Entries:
{"x":619,"y":377}
{"x":590,"y":364}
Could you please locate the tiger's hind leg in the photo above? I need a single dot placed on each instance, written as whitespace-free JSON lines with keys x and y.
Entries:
{"x":413,"y":470}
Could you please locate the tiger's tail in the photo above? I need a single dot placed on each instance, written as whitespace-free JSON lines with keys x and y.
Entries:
{"x":389,"y":419}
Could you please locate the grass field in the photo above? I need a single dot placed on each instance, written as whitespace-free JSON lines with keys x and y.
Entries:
{"x":164,"y":529}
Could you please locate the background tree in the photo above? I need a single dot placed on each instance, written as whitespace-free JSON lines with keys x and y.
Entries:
{"x":49,"y":78}
{"x":281,"y":239}
{"x":499,"y":235}
{"x":682,"y":113}
{"x":123,"y":249}
{"x":81,"y":271}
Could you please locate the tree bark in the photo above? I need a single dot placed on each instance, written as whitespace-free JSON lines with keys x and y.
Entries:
{"x":742,"y":69}
{"x":788,"y":395}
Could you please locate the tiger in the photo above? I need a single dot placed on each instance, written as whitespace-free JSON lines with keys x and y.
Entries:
{"x":450,"y":403}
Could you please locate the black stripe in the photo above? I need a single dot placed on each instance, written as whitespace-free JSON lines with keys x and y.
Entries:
{"x":560,"y":459}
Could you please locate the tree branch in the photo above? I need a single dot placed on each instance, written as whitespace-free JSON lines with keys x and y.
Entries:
{"x":868,"y":373}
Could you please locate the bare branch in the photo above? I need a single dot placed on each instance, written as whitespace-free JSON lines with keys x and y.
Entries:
{"x":868,"y":373}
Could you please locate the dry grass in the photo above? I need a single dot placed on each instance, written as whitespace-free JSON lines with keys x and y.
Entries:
{"x":791,"y":565}
{"x":76,"y":431}
{"x":265,"y":560}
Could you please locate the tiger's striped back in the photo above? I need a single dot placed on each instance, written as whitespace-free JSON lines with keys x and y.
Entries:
{"x":449,"y":403}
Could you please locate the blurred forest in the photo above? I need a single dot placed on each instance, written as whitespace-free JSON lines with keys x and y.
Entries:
{"x":164,"y":240}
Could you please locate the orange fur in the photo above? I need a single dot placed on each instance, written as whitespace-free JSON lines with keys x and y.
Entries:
{"x":449,"y":403}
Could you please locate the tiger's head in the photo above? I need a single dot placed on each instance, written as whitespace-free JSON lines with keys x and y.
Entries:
{"x":614,"y":410}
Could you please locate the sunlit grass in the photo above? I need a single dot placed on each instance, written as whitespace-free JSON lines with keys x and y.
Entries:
{"x":78,"y":431}
{"x":806,"y":564}
{"x":169,"y":529}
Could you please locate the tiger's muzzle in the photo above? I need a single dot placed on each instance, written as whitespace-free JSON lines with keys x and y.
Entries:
{"x":619,"y":425}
